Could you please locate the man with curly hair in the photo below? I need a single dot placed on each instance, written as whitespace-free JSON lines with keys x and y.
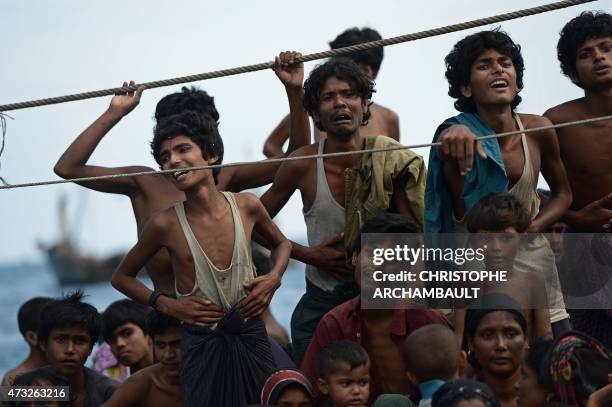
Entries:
{"x":585,"y":53}
{"x":336,"y":96}
{"x":485,"y":75}
{"x":383,"y":121}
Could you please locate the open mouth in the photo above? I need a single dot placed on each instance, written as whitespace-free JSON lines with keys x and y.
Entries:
{"x":179,"y":174}
{"x":499,"y":84}
{"x":600,"y":69}
{"x":342,"y":118}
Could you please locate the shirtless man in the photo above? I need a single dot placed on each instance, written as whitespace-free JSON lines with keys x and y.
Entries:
{"x":383,"y":121}
{"x":485,"y":75}
{"x":208,"y":238}
{"x":336,"y":95}
{"x":156,"y":385}
{"x":585,"y":53}
{"x":152,"y":194}
{"x":28,"y":320}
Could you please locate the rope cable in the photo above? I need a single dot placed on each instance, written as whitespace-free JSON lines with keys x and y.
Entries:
{"x":297,"y":158}
{"x":306,"y":58}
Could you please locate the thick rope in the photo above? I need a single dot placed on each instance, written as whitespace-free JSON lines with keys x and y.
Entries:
{"x":305,"y":157}
{"x":311,"y":57}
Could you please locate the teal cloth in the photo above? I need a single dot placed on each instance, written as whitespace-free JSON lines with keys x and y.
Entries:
{"x":485,"y":177}
{"x":429,"y":387}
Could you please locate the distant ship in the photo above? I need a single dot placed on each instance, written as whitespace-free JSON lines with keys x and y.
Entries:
{"x":70,"y":264}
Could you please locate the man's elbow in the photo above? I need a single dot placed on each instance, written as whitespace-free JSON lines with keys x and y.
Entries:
{"x":61,"y":170}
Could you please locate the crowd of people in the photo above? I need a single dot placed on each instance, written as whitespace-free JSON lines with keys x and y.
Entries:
{"x":205,"y":335}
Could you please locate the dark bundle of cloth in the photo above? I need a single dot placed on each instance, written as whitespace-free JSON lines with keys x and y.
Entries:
{"x":225,"y":366}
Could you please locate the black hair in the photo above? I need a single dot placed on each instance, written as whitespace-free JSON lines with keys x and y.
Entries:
{"x":28,"y":316}
{"x":121,"y":312}
{"x":385,"y":222}
{"x":452,"y":393}
{"x":189,"y":98}
{"x":432,"y":353}
{"x":538,"y":360}
{"x":348,"y":352}
{"x":158,"y":323}
{"x":36,"y":377}
{"x":576,"y":32}
{"x":69,"y":312}
{"x":344,"y":70}
{"x":496,"y":212}
{"x":459,"y":64}
{"x":372,"y":57}
{"x":201,"y":129}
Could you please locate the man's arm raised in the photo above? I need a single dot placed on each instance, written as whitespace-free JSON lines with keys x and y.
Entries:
{"x":73,"y":163}
{"x":291,"y":74}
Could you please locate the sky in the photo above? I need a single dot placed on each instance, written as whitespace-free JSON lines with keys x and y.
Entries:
{"x":68,"y":46}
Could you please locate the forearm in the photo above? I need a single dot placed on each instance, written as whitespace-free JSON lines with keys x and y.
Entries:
{"x":553,"y":211}
{"x":83,"y":147}
{"x":280,"y":258}
{"x":572,"y":218}
{"x":128,"y":284}
{"x":297,"y":251}
{"x":299,"y":135}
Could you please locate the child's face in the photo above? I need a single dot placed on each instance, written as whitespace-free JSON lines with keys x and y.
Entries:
{"x":167,"y":348}
{"x":182,"y":152}
{"x":129,"y":344}
{"x":501,"y":247}
{"x":346,"y":386}
{"x":67,"y":349}
{"x":294,"y":396}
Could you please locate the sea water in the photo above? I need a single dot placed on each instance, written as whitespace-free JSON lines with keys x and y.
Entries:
{"x":19,"y":283}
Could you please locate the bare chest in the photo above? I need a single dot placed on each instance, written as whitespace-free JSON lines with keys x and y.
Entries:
{"x":388,"y":361}
{"x":514,"y":158}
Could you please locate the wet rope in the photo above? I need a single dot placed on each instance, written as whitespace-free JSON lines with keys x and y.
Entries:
{"x":311,"y":57}
{"x":306,"y":157}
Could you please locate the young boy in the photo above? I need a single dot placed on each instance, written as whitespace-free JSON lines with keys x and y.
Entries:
{"x":485,"y":75}
{"x":432,"y":356}
{"x":344,"y":374}
{"x":28,"y":320}
{"x":69,"y":328}
{"x":585,"y":53}
{"x":383,"y":122}
{"x":208,"y":237}
{"x":503,"y":219}
{"x":124,"y":328}
{"x":156,"y":385}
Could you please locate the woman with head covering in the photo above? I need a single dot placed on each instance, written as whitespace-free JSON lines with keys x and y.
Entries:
{"x":463,"y":393}
{"x":496,"y":338}
{"x":287,"y":388}
{"x":579,"y":365}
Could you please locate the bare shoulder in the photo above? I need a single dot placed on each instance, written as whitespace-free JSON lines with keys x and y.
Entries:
{"x":385,"y":112}
{"x":531,"y":121}
{"x":163,"y":219}
{"x":248,"y":202}
{"x":10,"y":376}
{"x":567,"y":111}
{"x":301,"y":165}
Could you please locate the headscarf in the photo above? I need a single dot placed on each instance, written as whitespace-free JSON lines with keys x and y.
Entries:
{"x":278,"y":381}
{"x":451,"y":393}
{"x":579,"y":365}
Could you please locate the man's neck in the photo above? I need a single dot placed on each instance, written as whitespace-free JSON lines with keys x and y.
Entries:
{"x":35,"y":359}
{"x":499,"y":117}
{"x":141,"y":364}
{"x":599,"y":102}
{"x":204,"y":199}
{"x":341,"y":144}
{"x":377,"y":316}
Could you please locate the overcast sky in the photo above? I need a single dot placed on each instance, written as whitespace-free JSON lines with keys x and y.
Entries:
{"x":52,"y":48}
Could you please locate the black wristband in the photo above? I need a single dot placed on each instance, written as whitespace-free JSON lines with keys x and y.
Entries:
{"x":154,"y":297}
